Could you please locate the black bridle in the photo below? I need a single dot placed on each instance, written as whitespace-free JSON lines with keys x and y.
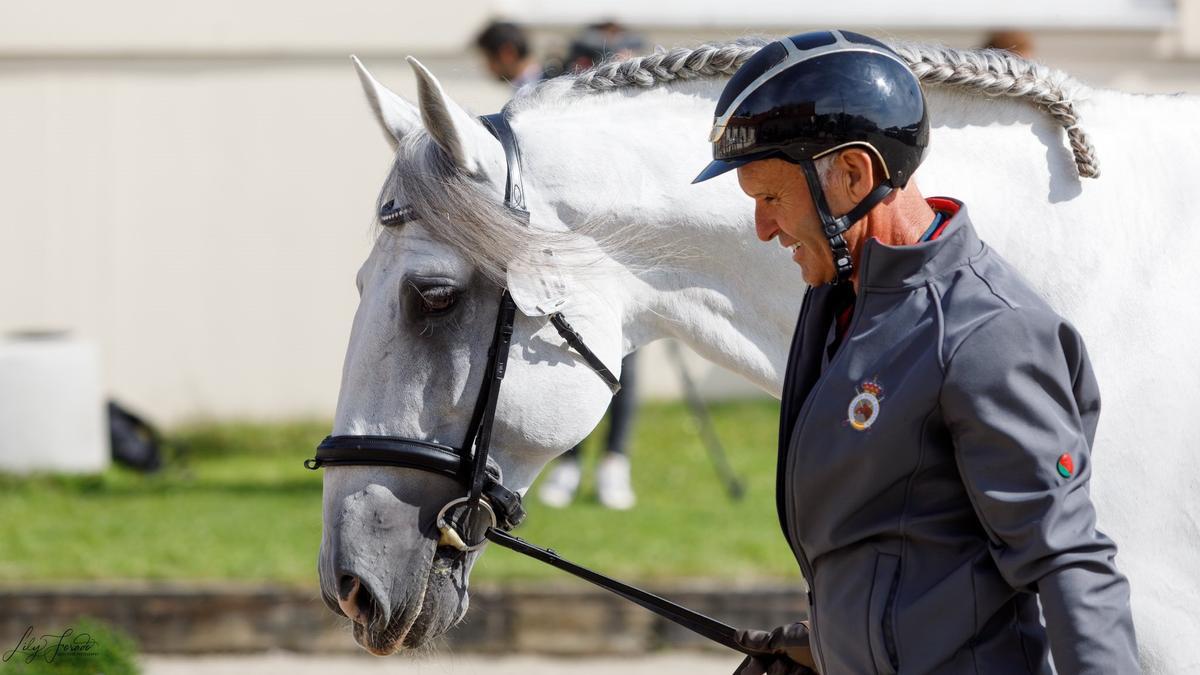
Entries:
{"x":470,"y":464}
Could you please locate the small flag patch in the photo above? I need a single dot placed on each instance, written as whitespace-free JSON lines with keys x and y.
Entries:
{"x":1065,"y":466}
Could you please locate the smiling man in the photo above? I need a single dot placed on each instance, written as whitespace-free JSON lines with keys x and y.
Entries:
{"x":937,"y":417}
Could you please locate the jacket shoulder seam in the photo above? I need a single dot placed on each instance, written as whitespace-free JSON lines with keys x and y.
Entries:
{"x":941,"y":326}
{"x":986,"y":282}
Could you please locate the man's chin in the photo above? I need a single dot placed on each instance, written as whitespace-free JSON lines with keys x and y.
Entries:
{"x":814,"y":277}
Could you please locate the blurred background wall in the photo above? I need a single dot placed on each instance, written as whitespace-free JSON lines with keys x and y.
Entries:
{"x":190,"y":185}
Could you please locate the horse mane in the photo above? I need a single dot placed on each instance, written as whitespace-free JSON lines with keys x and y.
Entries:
{"x":990,"y":72}
{"x":466,"y":215}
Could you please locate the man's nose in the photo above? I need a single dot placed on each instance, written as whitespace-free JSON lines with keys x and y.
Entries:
{"x":764,"y":227}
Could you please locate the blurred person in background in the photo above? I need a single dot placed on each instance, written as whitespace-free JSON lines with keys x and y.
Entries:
{"x":594,"y":44}
{"x":614,"y":487}
{"x":599,"y":42}
{"x":1016,"y":41}
{"x":506,"y":53}
{"x":937,"y":416}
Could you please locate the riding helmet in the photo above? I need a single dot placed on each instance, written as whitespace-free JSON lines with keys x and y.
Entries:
{"x":808,"y":95}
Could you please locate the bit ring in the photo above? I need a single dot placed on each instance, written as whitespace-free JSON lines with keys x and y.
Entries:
{"x":451,"y":536}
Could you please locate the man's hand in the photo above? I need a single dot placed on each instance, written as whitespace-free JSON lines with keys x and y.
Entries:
{"x":788,"y":649}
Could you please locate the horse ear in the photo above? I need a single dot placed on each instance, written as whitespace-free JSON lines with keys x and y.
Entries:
{"x":455,"y":131}
{"x":397,"y":116}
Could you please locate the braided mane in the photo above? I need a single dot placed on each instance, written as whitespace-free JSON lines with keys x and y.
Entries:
{"x":990,"y":72}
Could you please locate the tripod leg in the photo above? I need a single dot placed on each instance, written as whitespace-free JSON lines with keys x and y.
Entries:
{"x":712,"y":443}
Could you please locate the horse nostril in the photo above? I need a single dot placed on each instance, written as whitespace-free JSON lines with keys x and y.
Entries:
{"x":355,"y":601}
{"x":347,"y":585}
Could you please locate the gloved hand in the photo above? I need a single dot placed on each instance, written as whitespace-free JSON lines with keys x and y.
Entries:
{"x":788,"y":648}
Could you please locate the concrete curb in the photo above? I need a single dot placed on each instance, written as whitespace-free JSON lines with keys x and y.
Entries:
{"x":558,"y":620}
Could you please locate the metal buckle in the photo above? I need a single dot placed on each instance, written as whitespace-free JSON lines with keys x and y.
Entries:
{"x":451,"y":537}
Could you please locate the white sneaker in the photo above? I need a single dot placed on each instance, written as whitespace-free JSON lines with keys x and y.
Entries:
{"x":559,"y":487}
{"x":612,"y":482}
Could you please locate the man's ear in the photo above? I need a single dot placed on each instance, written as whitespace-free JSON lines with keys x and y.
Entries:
{"x":857,"y":169}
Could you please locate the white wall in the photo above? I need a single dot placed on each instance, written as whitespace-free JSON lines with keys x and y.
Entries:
{"x":191,"y":185}
{"x":291,"y":27}
{"x":202,"y":219}
{"x":1123,"y":14}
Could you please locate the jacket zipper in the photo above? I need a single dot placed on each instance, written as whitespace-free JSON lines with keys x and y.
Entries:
{"x":805,"y":565}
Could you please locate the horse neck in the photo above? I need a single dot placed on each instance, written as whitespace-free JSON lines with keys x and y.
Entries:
{"x":692,"y":268}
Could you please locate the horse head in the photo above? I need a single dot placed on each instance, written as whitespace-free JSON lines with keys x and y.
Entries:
{"x":415,"y":363}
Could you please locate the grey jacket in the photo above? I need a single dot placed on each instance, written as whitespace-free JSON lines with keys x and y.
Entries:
{"x":933,"y":474}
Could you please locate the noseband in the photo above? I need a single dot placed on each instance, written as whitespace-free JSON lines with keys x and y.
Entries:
{"x":488,"y":506}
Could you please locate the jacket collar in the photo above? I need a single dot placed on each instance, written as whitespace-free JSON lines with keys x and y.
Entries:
{"x":897,"y":267}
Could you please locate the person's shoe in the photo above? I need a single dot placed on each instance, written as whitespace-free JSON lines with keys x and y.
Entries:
{"x":612,"y":482}
{"x":559,"y":488}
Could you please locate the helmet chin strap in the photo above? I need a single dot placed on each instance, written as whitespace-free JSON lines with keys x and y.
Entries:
{"x":834,"y":228}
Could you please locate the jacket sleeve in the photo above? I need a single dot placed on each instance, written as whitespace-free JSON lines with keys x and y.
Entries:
{"x":1018,"y":394}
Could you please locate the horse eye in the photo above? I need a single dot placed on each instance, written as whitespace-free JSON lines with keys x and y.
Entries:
{"x":435,"y":300}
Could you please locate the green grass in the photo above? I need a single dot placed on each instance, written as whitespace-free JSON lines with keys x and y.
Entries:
{"x":245,"y":509}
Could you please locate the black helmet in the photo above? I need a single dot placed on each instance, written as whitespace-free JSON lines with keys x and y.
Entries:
{"x":809,"y":95}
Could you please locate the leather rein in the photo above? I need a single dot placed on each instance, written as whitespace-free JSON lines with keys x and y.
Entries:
{"x":489,"y":510}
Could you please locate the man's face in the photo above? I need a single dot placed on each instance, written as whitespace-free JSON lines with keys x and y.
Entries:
{"x":784,"y":209}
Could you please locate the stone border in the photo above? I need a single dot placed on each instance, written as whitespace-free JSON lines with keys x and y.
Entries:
{"x":558,"y":620}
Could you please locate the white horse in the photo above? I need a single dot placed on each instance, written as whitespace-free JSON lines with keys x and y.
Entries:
{"x":633,"y":253}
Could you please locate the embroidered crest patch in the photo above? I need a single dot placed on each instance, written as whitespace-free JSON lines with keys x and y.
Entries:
{"x":1065,"y":466}
{"x":864,"y":408}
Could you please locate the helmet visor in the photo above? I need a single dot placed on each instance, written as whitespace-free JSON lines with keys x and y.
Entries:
{"x":719,"y":166}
